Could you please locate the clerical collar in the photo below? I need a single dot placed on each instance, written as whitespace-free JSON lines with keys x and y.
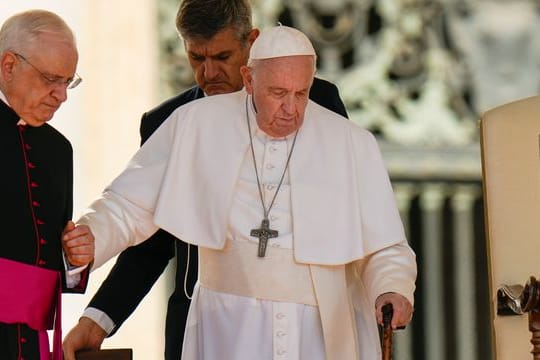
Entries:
{"x":256,"y":132}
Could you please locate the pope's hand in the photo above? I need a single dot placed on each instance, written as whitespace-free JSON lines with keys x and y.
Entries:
{"x":403,"y":309}
{"x":78,"y":244}
{"x":86,"y":335}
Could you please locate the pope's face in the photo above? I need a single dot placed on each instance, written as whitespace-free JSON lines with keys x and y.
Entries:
{"x":216,"y":62}
{"x":280,"y":90}
{"x":36,"y":77}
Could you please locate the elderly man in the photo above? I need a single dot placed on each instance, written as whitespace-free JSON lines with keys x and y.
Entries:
{"x":300,"y":241}
{"x":217,"y":37}
{"x":38,"y":58}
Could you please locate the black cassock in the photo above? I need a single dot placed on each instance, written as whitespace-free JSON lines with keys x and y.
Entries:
{"x":36,"y":201}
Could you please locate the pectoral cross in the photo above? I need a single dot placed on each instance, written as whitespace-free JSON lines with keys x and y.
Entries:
{"x":264,"y":233}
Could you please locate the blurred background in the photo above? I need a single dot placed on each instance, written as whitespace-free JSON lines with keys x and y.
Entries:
{"x":417,"y":73}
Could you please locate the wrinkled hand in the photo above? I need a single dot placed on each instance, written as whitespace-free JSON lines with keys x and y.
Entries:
{"x":403,"y":309}
{"x":86,"y":335}
{"x":78,"y":244}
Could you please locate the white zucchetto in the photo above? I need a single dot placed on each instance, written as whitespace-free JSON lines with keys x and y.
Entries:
{"x":280,"y":41}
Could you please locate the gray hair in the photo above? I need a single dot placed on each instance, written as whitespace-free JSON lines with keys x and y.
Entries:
{"x":202,"y":19}
{"x":254,"y":63}
{"x":24,"y":29}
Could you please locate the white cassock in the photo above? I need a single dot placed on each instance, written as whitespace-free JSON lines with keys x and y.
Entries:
{"x":339,"y":230}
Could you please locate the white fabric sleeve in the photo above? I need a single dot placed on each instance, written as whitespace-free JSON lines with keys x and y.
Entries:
{"x":100,"y":318}
{"x":72,"y":273}
{"x":72,"y":280}
{"x":392,"y":269}
{"x":116,"y":224}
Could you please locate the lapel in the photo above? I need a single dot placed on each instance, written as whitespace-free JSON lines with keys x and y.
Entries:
{"x":197,"y":93}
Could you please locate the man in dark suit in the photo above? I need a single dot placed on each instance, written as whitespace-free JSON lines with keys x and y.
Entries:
{"x":217,"y":37}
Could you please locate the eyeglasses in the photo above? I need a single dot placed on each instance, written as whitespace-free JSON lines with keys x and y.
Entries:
{"x":53,"y":80}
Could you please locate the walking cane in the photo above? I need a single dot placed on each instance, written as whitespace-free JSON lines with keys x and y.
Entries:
{"x":387,"y":311}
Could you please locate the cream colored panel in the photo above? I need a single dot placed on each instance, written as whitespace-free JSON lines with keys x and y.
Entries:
{"x":511,"y":166}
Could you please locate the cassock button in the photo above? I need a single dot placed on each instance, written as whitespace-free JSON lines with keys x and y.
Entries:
{"x":23,"y":340}
{"x":35,"y":203}
{"x":269,"y":166}
{"x":280,"y":316}
{"x":27,"y":147}
{"x":280,"y":333}
{"x":40,"y":222}
{"x":42,"y":262}
{"x":281,"y":352}
{"x":34,"y":184}
{"x":31,"y":165}
{"x":42,"y":241}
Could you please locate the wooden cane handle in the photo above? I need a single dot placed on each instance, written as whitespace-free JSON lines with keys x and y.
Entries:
{"x":387,"y":312}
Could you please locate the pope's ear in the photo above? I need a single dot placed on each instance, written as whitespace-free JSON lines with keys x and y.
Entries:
{"x":247,"y":78}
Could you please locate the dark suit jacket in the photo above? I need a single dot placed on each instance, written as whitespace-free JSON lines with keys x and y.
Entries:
{"x":138,"y":267}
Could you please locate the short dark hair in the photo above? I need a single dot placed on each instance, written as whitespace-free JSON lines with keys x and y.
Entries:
{"x":205,"y":18}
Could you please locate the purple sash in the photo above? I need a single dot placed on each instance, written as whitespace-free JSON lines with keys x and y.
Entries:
{"x":29,"y":295}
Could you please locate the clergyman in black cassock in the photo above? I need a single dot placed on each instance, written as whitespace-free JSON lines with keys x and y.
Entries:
{"x":36,"y":185}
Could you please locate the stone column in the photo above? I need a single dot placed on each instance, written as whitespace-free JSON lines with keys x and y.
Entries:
{"x":431,"y":204}
{"x":403,"y":338}
{"x":462,"y":203}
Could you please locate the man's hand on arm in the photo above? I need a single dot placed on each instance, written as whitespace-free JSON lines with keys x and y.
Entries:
{"x":78,"y":244}
{"x":403,"y":309}
{"x":86,"y":335}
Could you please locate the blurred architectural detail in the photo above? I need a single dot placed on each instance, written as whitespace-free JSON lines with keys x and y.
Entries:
{"x":418,"y":73}
{"x":267,"y":12}
{"x":175,"y":73}
{"x":498,"y":42}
